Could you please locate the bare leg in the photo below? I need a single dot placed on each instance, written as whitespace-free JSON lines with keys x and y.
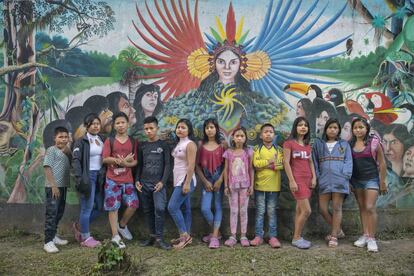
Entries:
{"x":324,"y":207}
{"x":337,"y":200}
{"x":129,"y":212}
{"x":303,"y":211}
{"x":371,"y":211}
{"x":360,"y":196}
{"x":113,"y":221}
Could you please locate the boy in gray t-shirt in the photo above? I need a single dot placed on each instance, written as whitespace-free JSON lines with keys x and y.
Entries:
{"x":56,"y":165}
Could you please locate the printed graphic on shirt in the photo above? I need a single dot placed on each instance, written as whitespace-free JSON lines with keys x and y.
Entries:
{"x":237,"y":167}
{"x":300,"y":154}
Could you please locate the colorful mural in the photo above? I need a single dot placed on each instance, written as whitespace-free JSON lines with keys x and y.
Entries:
{"x":244,"y":64}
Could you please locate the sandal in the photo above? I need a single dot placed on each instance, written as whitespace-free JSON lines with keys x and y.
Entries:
{"x":244,"y":242}
{"x":184,"y":241}
{"x":214,"y":243}
{"x":340,"y":235}
{"x":333,"y":242}
{"x":231,"y":241}
{"x":175,"y":241}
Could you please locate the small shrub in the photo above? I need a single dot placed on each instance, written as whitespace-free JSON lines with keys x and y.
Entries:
{"x":112,"y":258}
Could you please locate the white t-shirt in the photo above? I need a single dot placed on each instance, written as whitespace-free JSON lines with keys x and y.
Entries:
{"x":331,"y":145}
{"x":95,"y":152}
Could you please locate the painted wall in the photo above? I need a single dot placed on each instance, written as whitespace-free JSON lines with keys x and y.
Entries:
{"x":241,"y":63}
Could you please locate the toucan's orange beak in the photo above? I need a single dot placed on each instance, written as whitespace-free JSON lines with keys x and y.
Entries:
{"x":299,"y":87}
{"x":394,"y":111}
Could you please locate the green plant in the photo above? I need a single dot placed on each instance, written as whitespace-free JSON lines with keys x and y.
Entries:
{"x":111,"y":258}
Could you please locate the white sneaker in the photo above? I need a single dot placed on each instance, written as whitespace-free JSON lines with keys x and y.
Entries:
{"x":50,"y":247}
{"x":118,"y":241}
{"x":125,"y":232}
{"x":372,"y":245}
{"x":361,"y":242}
{"x":59,"y":241}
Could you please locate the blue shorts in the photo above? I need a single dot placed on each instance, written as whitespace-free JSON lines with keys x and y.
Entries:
{"x":115,"y":194}
{"x":371,"y":184}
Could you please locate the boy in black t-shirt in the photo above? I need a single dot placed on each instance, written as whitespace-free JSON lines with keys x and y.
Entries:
{"x":152,"y":174}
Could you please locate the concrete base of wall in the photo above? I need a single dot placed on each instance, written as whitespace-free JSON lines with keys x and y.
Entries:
{"x":30,"y":218}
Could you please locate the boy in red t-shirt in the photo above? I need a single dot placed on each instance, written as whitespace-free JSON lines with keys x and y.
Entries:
{"x":120,"y":158}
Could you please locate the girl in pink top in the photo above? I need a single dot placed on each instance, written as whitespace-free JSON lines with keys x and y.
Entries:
{"x":238,"y":183}
{"x":301,"y":173}
{"x":184,"y":182}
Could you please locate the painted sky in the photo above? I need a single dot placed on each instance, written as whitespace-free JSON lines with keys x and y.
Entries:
{"x":349,"y":23}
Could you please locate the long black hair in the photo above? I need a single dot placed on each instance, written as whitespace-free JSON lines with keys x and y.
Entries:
{"x":367,"y":126}
{"x":328,"y":123}
{"x":214,"y":122}
{"x":294,"y":132}
{"x":190,"y":128}
{"x":139,"y":94}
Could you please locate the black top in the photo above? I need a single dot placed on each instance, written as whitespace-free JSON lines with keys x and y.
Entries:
{"x":153,"y":163}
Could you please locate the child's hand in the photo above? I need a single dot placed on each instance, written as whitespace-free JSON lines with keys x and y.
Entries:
{"x":351,"y":188}
{"x":129,"y":157}
{"x":55,"y":192}
{"x":118,"y":161}
{"x":158,"y":187}
{"x":227,"y":191}
{"x":208,"y":186}
{"x":383,"y":188}
{"x":217,"y":185}
{"x":250,"y":190}
{"x":186,"y":188}
{"x":313,"y":183}
{"x":293,"y":186}
{"x":138,"y":186}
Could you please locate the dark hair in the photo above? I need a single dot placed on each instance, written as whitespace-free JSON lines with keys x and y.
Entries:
{"x":75,"y":117}
{"x":328,"y":123}
{"x":96,"y":104}
{"x":367,"y":125}
{"x":318,"y":106}
{"x":267,"y":125}
{"x":151,"y":119}
{"x":234,"y":132}
{"x":306,"y":105}
{"x":400,"y":132}
{"x":61,"y":129}
{"x":139,"y":94}
{"x":113,"y":100}
{"x":118,"y":115}
{"x":49,"y":131}
{"x":294,"y":132}
{"x":88,"y":120}
{"x":217,"y":137}
{"x":190,"y":128}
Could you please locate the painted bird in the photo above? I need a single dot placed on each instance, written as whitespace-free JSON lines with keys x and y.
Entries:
{"x":378,"y":101}
{"x":404,"y":116}
{"x":311,"y":91}
{"x":335,"y":96}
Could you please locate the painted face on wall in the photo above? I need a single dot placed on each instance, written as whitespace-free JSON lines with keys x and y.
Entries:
{"x":346,"y":132}
{"x":300,"y":112}
{"x":106,"y":120}
{"x":393,"y":148}
{"x":321,"y":121}
{"x":149,"y":102}
{"x":227,"y":66}
{"x":408,"y":162}
{"x":125,"y":106}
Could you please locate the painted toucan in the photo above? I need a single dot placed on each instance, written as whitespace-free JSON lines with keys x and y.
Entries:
{"x":311,"y":91}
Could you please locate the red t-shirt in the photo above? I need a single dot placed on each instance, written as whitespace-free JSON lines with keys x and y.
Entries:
{"x":119,"y":174}
{"x":299,"y":158}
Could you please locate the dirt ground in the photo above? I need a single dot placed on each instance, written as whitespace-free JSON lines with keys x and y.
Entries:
{"x":22,"y":254}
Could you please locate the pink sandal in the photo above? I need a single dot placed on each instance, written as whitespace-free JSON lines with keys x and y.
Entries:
{"x":184,"y":241}
{"x":244,"y":242}
{"x":214,"y":243}
{"x":231,"y":241}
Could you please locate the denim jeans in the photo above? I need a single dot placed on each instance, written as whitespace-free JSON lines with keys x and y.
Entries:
{"x":154,"y":205}
{"x":90,"y":206}
{"x":206,"y":198}
{"x":266,"y":202}
{"x":55,"y":207}
{"x":182,"y":218}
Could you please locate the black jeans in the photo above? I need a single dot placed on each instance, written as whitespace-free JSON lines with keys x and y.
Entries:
{"x":54,"y":212}
{"x":154,"y":205}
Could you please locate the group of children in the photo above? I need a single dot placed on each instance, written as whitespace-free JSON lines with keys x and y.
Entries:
{"x":119,"y":170}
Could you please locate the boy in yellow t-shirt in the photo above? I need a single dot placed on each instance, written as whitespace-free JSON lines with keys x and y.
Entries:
{"x":267,"y":161}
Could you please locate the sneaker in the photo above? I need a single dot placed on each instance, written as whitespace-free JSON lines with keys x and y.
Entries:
{"x":244,"y":242}
{"x":274,"y":242}
{"x":162,"y":244}
{"x":125,"y":232}
{"x":362,"y":241}
{"x":256,"y":241}
{"x":59,"y":241}
{"x":372,"y":245}
{"x":301,"y":243}
{"x":50,"y":247}
{"x":214,"y":243}
{"x":230,"y":242}
{"x":148,"y":242}
{"x":90,"y":242}
{"x":118,"y":241}
{"x":76,"y":231}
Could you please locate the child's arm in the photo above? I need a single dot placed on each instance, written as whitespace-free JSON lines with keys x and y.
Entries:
{"x":225,"y":177}
{"x":107,"y":159}
{"x":251,"y":173}
{"x":382,"y":171}
{"x":77,"y":159}
{"x":167,"y":167}
{"x":286,"y":162}
{"x":52,"y":181}
{"x":191,"y":159}
{"x":313,"y":184}
{"x":140,"y":161}
{"x":348,"y":162}
{"x":315,"y":158}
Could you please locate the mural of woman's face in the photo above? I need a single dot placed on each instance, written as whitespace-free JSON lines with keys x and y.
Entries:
{"x":149,"y":102}
{"x":106,"y":120}
{"x":393,"y":148}
{"x":227,"y":66}
{"x":408,"y":162}
{"x":124,"y":106}
{"x":321,"y":121}
{"x":300,"y":112}
{"x":346,"y":132}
